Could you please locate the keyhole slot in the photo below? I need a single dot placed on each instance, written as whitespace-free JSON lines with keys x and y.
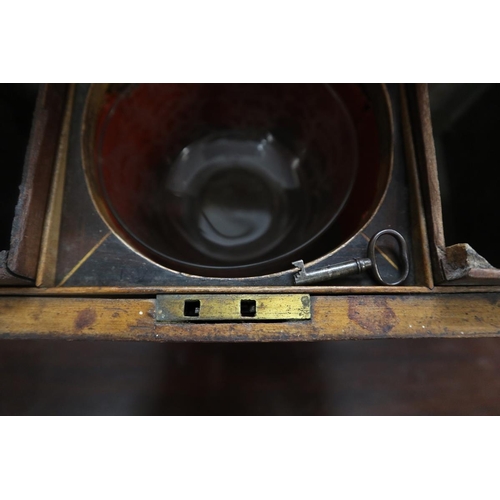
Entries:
{"x":192,"y":308}
{"x":248,"y":308}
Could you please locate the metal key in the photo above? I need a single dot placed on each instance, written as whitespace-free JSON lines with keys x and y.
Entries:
{"x":356,"y":266}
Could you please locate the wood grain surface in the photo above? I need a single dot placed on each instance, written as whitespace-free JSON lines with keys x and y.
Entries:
{"x":335,"y":317}
{"x":37,"y":175}
{"x":383,"y":377}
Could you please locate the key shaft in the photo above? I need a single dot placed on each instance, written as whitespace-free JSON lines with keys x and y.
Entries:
{"x":347,"y":268}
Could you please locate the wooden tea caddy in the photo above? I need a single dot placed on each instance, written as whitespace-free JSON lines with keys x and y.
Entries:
{"x":66,"y":274}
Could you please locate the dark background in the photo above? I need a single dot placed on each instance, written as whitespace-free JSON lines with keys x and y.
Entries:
{"x":387,"y":377}
{"x":384,"y":377}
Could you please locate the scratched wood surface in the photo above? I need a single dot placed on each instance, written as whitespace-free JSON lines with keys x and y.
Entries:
{"x":334,"y":317}
{"x":383,"y":377}
{"x":25,"y":174}
{"x":37,"y":175}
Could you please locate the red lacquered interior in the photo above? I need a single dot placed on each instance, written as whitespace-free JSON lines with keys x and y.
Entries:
{"x":142,"y":127}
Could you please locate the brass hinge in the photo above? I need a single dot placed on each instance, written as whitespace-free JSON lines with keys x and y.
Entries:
{"x":233,"y":307}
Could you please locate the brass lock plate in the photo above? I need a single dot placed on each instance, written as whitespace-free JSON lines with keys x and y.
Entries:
{"x":233,"y":307}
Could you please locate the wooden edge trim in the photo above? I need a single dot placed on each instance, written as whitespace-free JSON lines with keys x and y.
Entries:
{"x":46,"y":273}
{"x":153,"y":291}
{"x":420,"y":236}
{"x":35,"y":185}
{"x":333,"y":318}
{"x":430,"y":163}
{"x":420,"y":116}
